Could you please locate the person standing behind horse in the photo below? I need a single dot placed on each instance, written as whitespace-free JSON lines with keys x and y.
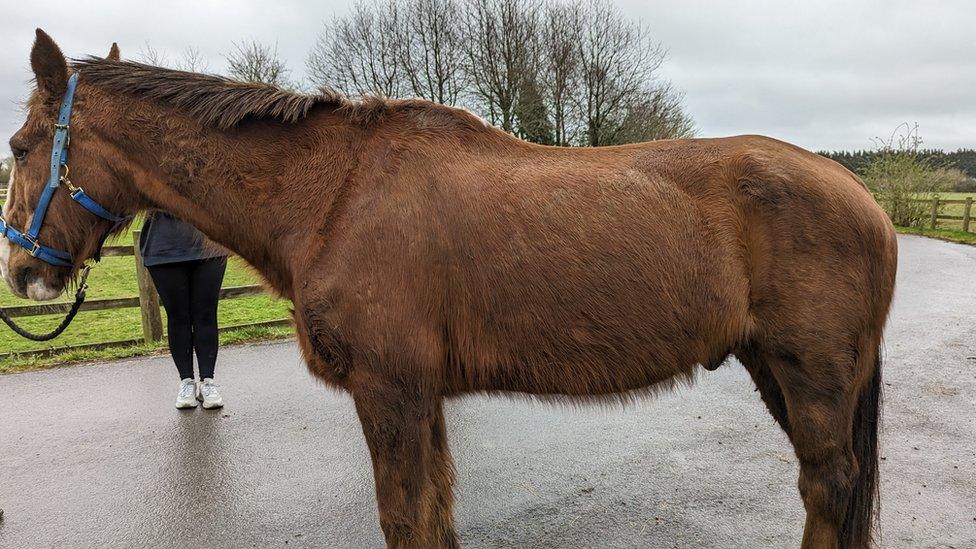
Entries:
{"x":188,"y":271}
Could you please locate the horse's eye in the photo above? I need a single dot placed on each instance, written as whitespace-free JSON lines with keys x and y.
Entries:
{"x":20,"y":154}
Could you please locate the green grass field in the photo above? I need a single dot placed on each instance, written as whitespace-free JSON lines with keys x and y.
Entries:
{"x":949,"y":235}
{"x":115,"y":277}
{"x":956,"y":196}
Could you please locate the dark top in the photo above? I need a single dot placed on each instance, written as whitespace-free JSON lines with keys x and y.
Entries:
{"x":166,"y":239}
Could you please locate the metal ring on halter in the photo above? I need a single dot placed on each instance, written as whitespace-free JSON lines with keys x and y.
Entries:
{"x":36,"y":247}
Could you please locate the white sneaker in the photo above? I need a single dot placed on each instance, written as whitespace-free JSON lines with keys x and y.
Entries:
{"x":187,"y":395}
{"x":207,"y":394}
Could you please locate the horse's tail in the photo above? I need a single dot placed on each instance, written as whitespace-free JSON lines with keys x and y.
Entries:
{"x":862,"y":511}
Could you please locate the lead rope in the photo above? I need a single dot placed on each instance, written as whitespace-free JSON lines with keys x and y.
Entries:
{"x":79,"y":299}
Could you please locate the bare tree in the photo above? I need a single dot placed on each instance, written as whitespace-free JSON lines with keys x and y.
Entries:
{"x":192,"y":60}
{"x":252,"y":61}
{"x":655,"y":114}
{"x":560,"y":38}
{"x":431,"y":50}
{"x":391,"y":49}
{"x":360,"y":54}
{"x":151,"y":56}
{"x":500,"y":41}
{"x":617,"y":64}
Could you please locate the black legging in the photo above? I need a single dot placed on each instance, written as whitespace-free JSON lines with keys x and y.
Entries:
{"x":190,"y":291}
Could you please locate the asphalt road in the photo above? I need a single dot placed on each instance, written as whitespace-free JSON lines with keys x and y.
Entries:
{"x":97,"y":456}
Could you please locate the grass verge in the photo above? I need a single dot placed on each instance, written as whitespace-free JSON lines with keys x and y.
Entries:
{"x":949,"y":235}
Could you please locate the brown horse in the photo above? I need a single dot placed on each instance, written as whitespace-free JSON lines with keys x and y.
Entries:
{"x":429,"y":255}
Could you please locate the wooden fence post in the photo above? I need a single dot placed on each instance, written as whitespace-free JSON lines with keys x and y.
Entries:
{"x":152,"y":320}
{"x":966,"y":212}
{"x":935,"y":212}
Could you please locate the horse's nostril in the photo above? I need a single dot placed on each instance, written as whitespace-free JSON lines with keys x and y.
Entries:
{"x":22,"y":278}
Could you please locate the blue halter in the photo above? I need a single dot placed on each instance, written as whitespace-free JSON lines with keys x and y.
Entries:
{"x":59,"y":159}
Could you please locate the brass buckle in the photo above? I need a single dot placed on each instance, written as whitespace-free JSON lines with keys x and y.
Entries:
{"x":67,"y":130}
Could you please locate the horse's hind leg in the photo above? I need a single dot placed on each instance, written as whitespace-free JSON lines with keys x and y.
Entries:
{"x":828,"y":391}
{"x":407,"y":439}
{"x":769,"y":389}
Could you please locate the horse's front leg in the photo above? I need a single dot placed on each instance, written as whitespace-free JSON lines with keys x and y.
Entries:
{"x":412,"y":466}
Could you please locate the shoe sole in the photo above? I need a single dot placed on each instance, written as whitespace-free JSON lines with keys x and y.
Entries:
{"x":213,"y":406}
{"x":185,"y":405}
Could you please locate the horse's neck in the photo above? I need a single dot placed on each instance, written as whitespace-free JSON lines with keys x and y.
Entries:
{"x":250,"y":190}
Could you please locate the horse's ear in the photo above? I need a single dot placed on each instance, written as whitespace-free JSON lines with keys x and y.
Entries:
{"x":113,"y":52}
{"x":50,"y":68}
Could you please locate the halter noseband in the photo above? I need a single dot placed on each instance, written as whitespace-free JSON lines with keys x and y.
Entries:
{"x":59,"y":160}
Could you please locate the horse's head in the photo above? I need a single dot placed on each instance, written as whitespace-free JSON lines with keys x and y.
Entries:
{"x":38,"y":261}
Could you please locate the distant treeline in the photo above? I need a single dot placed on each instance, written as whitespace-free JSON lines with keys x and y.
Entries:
{"x":963,"y":160}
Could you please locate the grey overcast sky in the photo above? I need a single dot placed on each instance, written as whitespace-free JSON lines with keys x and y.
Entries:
{"x":821,"y":74}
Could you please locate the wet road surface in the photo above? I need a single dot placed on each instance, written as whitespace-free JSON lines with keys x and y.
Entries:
{"x":97,"y":456}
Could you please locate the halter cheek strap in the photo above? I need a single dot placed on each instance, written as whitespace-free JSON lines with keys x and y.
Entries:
{"x":59,"y":175}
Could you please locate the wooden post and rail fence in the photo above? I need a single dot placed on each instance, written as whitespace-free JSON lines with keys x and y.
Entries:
{"x":935,"y":216}
{"x":147,"y":301}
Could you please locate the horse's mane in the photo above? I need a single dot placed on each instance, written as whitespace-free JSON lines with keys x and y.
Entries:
{"x":212,"y":100}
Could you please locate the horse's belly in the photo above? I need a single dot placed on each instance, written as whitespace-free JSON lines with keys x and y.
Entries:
{"x":612,"y":312}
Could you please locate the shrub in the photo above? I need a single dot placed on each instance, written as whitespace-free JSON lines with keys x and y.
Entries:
{"x":949,"y":179}
{"x":5,"y":165}
{"x":900,"y":176}
{"x":967,"y":185}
